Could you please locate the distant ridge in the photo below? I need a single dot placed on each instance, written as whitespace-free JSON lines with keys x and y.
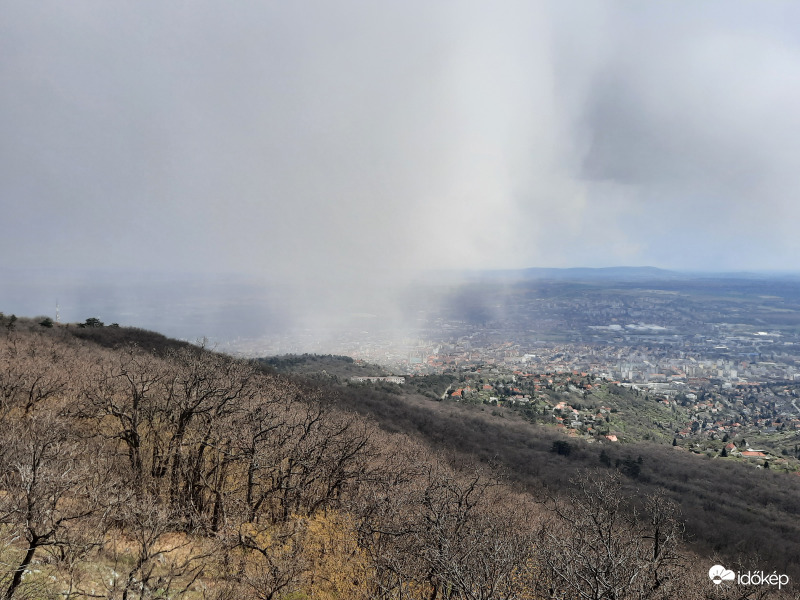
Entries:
{"x":580,"y":274}
{"x":620,"y":274}
{"x":615,"y":273}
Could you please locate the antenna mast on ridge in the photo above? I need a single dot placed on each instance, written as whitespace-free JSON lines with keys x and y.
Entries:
{"x":58,"y":314}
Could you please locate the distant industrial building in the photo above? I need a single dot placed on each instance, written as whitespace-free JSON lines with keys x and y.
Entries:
{"x":390,"y":379}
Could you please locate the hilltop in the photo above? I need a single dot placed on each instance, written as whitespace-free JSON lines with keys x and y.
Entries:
{"x":133,"y":466}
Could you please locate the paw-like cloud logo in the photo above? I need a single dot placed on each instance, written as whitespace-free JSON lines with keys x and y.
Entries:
{"x":718,"y":574}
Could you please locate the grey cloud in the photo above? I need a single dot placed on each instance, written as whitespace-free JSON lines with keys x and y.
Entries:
{"x":690,"y":113}
{"x":355,"y":141}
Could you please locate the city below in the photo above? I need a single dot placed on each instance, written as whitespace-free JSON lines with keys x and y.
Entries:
{"x":710,"y":359}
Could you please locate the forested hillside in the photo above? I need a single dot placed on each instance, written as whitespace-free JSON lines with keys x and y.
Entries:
{"x":135,"y":467}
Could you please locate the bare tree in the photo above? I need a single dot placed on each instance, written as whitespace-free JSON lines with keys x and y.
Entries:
{"x":599,"y":547}
{"x":52,"y":479}
{"x":165,"y":563}
{"x":387,"y":505}
{"x":272,"y":561}
{"x":477,"y":537}
{"x":201,"y":388}
{"x":300,"y":455}
{"x":124,"y":399}
{"x":32,"y":369}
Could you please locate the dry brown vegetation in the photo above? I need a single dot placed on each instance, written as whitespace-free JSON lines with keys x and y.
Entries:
{"x":133,"y":472}
{"x":727,"y":508}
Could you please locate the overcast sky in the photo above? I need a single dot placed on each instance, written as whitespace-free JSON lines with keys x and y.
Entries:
{"x":342,"y":139}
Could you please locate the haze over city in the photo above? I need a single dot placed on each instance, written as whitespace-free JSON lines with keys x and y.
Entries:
{"x":353,"y":144}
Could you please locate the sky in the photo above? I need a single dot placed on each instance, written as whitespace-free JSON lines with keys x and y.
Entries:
{"x":360,"y":141}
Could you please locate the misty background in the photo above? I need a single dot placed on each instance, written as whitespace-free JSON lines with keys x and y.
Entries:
{"x":272,"y":165}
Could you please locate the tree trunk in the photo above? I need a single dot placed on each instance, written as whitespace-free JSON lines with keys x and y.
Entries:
{"x":20,"y":570}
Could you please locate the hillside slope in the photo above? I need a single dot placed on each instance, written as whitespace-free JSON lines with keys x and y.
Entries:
{"x":176,"y":472}
{"x":728,"y":508}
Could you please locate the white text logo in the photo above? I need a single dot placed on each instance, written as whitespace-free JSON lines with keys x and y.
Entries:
{"x":718,"y":574}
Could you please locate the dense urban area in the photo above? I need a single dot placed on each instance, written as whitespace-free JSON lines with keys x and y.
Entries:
{"x":712,"y":365}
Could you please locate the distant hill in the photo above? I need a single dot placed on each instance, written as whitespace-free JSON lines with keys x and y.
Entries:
{"x":604,"y":274}
{"x":597,"y":274}
{"x":322,"y":364}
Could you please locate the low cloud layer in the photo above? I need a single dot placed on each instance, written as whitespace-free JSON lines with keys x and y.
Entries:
{"x":354,"y":142}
